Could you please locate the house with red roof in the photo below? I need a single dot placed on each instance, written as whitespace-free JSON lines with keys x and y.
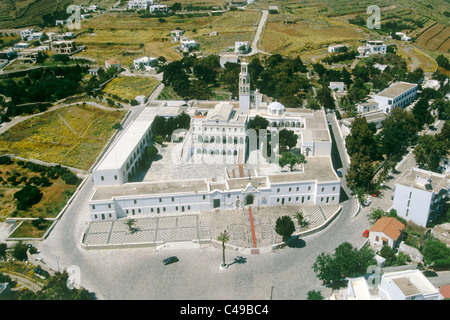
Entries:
{"x":386,"y":231}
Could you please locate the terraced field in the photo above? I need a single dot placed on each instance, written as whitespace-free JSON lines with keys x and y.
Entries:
{"x":437,"y":37}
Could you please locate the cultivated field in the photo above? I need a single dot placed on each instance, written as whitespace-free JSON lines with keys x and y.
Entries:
{"x":72,"y":136}
{"x":128,"y":88}
{"x":436,"y":37}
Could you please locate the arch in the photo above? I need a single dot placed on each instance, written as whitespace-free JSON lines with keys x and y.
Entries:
{"x":200,"y":138}
{"x":230,"y":140}
{"x":249,"y":200}
{"x":199,"y":151}
{"x":241,"y":140}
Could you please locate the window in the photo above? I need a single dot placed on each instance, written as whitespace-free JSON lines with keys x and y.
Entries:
{"x":278,"y":190}
{"x":115,"y":177}
{"x":102,"y":178}
{"x":290,"y":189}
{"x":334,"y":188}
{"x":135,"y":201}
{"x":109,"y":206}
{"x":173,"y":199}
{"x":323,"y":189}
{"x":309,"y":188}
{"x":204,"y":197}
{"x":160,"y":200}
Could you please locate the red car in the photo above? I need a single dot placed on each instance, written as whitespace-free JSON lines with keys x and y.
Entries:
{"x":375,"y":194}
{"x":365,"y":234}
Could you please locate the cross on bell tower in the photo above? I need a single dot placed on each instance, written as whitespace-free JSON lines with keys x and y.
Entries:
{"x":244,"y":88}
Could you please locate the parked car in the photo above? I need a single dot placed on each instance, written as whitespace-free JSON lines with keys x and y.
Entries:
{"x":170,"y":260}
{"x":339,"y":173}
{"x":367,"y":202}
{"x":365,"y":234}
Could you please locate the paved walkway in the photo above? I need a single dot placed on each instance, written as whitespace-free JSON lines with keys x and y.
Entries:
{"x":250,"y":227}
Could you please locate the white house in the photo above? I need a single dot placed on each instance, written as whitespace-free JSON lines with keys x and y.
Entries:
{"x":160,"y":8}
{"x":403,"y":36}
{"x":228,"y":57}
{"x":176,"y":35}
{"x":386,"y":231}
{"x":338,"y":86}
{"x":407,"y":285}
{"x":113,"y":63}
{"x":372,"y":47}
{"x":147,"y":62}
{"x":399,"y":94}
{"x":241,"y":46}
{"x":139,"y":4}
{"x":418,"y":195}
{"x":24,"y":34}
{"x":186,"y":44}
{"x":374,"y":116}
{"x":399,"y":285}
{"x":338,"y":48}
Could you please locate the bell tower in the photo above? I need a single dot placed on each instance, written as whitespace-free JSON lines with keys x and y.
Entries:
{"x":244,"y":88}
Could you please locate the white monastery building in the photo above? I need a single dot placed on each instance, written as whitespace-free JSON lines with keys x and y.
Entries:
{"x":400,"y":94}
{"x":218,"y":165}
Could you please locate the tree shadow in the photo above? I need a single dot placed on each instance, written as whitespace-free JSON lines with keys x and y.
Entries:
{"x":239,"y":260}
{"x":296,"y":243}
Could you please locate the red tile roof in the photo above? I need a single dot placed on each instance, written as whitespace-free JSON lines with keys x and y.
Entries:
{"x":389,"y":226}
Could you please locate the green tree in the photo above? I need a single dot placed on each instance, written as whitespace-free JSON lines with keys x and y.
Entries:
{"x":27,"y":197}
{"x":284,"y":226}
{"x":151,"y":153}
{"x":398,"y":130}
{"x":314,"y":295}
{"x":435,"y":251}
{"x":288,"y":158}
{"x":389,"y":254}
{"x":19,"y":251}
{"x":224,"y":238}
{"x":360,"y":172}
{"x":57,"y":289}
{"x":345,"y":262}
{"x":287,"y":140}
{"x":430,"y":150}
{"x":361,"y":139}
{"x":3,"y":248}
{"x":301,"y":219}
{"x":421,"y":112}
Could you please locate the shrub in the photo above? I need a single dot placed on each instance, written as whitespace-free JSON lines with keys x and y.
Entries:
{"x":27,"y":197}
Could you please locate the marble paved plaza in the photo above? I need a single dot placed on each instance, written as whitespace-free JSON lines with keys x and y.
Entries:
{"x":205,"y":226}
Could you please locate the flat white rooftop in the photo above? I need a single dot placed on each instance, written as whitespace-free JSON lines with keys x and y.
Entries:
{"x":396,"y":89}
{"x":121,"y":150}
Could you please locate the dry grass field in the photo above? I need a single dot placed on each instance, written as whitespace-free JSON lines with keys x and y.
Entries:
{"x":308,"y":36}
{"x":53,"y":199}
{"x":129,"y":87}
{"x":126,"y":36}
{"x":72,"y":136}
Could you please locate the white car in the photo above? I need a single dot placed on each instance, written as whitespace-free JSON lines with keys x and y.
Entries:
{"x":367,"y":202}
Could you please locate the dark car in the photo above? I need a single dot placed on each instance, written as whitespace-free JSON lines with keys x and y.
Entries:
{"x":170,"y":260}
{"x":339,"y":173}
